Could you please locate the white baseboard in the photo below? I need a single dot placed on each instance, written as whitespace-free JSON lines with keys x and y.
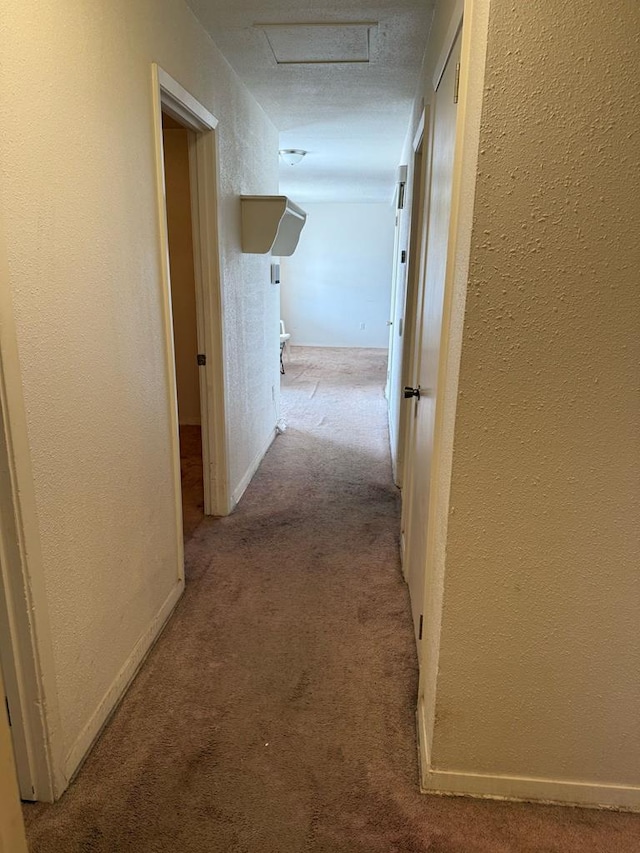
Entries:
{"x":519,"y":788}
{"x":116,"y":691}
{"x":354,"y":345}
{"x":251,"y":470}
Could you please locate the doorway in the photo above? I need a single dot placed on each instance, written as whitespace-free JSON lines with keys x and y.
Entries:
{"x":187,"y":179}
{"x":21,"y":608}
{"x":398,"y":288}
{"x":417,"y":241}
{"x":429,"y":314}
{"x":177,"y":178}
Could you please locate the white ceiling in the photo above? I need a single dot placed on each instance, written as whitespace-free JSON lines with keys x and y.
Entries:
{"x":341,"y":87}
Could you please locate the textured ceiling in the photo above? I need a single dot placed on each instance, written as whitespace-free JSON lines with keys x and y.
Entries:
{"x":337,"y":80}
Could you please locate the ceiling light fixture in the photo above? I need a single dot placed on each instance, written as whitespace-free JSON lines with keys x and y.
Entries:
{"x":292,"y":156}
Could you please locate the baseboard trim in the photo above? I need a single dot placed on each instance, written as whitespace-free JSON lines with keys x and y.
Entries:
{"x":118,"y":688}
{"x":240,"y":489}
{"x":519,"y":788}
{"x":339,"y":346}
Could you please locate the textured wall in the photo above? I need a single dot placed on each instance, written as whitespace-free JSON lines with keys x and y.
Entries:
{"x":80,"y":209}
{"x":340,"y":277}
{"x":539,"y":646}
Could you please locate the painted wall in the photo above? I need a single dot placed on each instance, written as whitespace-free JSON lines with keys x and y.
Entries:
{"x":541,"y":590}
{"x":339,"y":277}
{"x":183,"y":289}
{"x":79,"y":206}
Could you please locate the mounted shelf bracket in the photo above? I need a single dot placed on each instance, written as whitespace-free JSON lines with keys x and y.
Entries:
{"x":270,"y":223}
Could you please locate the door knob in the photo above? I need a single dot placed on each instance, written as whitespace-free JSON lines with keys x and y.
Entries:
{"x":411,"y":392}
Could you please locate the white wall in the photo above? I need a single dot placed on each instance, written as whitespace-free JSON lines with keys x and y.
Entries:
{"x":79,"y":207}
{"x":340,"y":277}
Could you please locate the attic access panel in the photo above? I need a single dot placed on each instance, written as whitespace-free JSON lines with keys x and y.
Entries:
{"x":317,"y":44}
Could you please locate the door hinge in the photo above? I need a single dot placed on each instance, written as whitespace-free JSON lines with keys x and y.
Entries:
{"x":202,"y":359}
{"x":456,"y":85}
{"x":6,"y":702}
{"x":420,"y":628}
{"x":401,"y":196}
{"x":403,"y":257}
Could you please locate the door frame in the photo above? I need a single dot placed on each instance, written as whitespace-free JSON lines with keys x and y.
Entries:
{"x":396,"y":267}
{"x":26,"y":649}
{"x":172,"y":98}
{"x":18,"y":663}
{"x":413,"y":310}
{"x":12,"y":833}
{"x":470,"y":19}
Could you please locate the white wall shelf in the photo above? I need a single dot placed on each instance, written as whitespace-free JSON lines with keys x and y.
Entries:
{"x":270,"y":223}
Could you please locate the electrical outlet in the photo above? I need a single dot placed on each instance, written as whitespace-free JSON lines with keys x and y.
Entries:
{"x":362,"y":326}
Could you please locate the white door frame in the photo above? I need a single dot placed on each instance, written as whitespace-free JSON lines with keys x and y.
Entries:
{"x":413,"y":313}
{"x":471,"y":17}
{"x":26,"y":651}
{"x":12,"y":836}
{"x":172,"y":98}
{"x":417,"y":241}
{"x":396,"y":267}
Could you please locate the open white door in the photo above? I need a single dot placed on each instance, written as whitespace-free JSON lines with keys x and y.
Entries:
{"x":428,"y":332}
{"x":394,"y":322}
{"x":409,"y":321}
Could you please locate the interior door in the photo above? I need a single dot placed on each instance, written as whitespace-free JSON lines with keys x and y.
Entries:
{"x":429,"y":328}
{"x":395,"y":275}
{"x":415,"y":281}
{"x":394,"y":362}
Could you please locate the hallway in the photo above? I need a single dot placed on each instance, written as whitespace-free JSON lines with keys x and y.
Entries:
{"x":276,"y":712}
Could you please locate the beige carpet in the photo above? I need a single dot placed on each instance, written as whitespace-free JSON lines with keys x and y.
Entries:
{"x":276,"y":714}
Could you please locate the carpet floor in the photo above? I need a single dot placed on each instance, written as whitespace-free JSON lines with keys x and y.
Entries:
{"x":192,"y":480}
{"x":276,"y":712}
